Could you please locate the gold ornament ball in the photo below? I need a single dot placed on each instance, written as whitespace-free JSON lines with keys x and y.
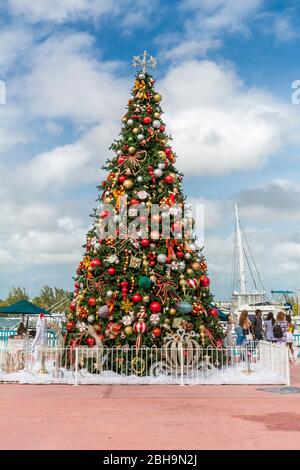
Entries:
{"x":128,"y":330}
{"x":174,"y":176}
{"x":146,"y":299}
{"x":131,"y":150}
{"x":124,"y":119}
{"x":172,"y":312}
{"x":157,"y":98}
{"x":189,"y":271}
{"x":196,"y":266}
{"x":162,"y":154}
{"x":128,"y":184}
{"x":157,"y":115}
{"x":108,"y":200}
{"x":136,"y":130}
{"x":182,"y":282}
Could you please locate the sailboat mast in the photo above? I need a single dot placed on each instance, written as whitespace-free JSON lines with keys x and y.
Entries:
{"x":240,"y":253}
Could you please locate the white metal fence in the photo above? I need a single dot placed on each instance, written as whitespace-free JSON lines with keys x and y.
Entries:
{"x":265,"y":363}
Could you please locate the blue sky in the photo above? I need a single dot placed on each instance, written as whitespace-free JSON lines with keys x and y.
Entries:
{"x":225,"y":70}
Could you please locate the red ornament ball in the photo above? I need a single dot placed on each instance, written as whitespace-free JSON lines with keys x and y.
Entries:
{"x":149,"y":109}
{"x":70,"y":325}
{"x":121,"y":160}
{"x":134,"y":202}
{"x":92,"y":301}
{"x":213,"y":312}
{"x":90,"y":342}
{"x":122,"y":178}
{"x":147,"y":120}
{"x":95,"y":263}
{"x":155,"y":307}
{"x":111,"y":271}
{"x":143,"y":219}
{"x":156,"y":331}
{"x":72,"y":307}
{"x":162,"y":128}
{"x":180,"y":254}
{"x":205,"y":282}
{"x":136,"y":298}
{"x":145,"y":242}
{"x":168,"y":151}
{"x":104,"y":214}
{"x":169,"y":179}
{"x":192,"y":283}
{"x":125,"y":284}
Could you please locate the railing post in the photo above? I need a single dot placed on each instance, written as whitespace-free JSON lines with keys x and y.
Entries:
{"x":288,"y":367}
{"x":182,"y":366}
{"x":76,"y":367}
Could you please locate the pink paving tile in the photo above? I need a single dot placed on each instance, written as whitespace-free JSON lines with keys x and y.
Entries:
{"x":152,"y":417}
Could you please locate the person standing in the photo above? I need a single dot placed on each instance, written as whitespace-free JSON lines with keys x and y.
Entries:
{"x":257,"y":326}
{"x":280,"y":328}
{"x":228,"y":337}
{"x":290,"y":337}
{"x":245,"y":324}
{"x":269,"y":324}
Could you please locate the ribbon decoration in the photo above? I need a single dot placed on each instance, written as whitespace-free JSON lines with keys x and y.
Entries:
{"x":86,"y":262}
{"x":166,"y":288}
{"x":170,"y":246}
{"x":134,"y":161}
{"x":209,"y":334}
{"x":169,"y":201}
{"x":139,"y":89}
{"x":111,"y":306}
{"x":118,"y":193}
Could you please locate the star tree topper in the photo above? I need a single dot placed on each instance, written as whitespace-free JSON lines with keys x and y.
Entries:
{"x":143,"y":61}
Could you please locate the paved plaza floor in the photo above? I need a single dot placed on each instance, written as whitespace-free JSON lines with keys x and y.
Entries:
{"x":150,"y":417}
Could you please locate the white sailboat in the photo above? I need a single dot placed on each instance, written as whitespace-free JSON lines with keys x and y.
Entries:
{"x":244,"y":298}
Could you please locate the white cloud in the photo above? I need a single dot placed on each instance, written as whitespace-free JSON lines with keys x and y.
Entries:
{"x":219,"y":125}
{"x":204,"y":25}
{"x":281,"y":24}
{"x":277,"y":200}
{"x":59,"y":11}
{"x":70,"y":164}
{"x":14,"y":41}
{"x":67,"y":81}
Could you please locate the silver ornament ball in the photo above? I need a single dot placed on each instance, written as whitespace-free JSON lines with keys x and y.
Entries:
{"x":161,"y":258}
{"x":130,"y":122}
{"x":158,"y":173}
{"x":156,"y":124}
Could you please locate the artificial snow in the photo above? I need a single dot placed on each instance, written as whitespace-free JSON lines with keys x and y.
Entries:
{"x":238,"y":374}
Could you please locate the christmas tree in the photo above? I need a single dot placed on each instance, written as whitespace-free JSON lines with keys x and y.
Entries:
{"x":142,"y":276}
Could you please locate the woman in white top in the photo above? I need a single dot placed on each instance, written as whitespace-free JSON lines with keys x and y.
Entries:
{"x":268,"y":324}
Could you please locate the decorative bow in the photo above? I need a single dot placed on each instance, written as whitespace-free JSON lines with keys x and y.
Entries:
{"x":118,"y":193}
{"x":139,"y":89}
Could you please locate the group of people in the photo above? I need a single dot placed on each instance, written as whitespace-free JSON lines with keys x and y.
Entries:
{"x":279,"y":331}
